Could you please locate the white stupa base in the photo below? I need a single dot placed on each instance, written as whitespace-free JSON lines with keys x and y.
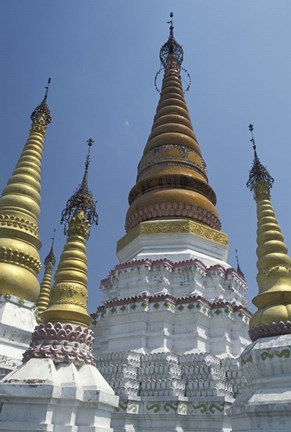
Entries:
{"x":17,"y":322}
{"x":43,"y":396}
{"x":264,"y":404}
{"x":143,"y":242}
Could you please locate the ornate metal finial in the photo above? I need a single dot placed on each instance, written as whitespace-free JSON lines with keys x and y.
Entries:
{"x":238,"y":269}
{"x":47,"y":89}
{"x":171,"y":56}
{"x":82,"y":199}
{"x":42,"y":108}
{"x":171,"y":47}
{"x":258,"y":172}
{"x":50,"y":259}
{"x":171,"y":25}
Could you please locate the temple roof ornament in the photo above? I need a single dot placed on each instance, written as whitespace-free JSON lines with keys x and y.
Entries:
{"x":172,"y":175}
{"x":238,"y":269}
{"x":273,"y":316}
{"x":50,"y":258}
{"x":45,"y":287}
{"x":82,"y":199}
{"x":69,"y":295}
{"x":19,"y":213}
{"x":171,"y":47}
{"x":258,"y":171}
{"x":42,"y":108}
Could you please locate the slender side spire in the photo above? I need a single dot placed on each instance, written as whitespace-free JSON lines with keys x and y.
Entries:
{"x":238,"y":269}
{"x":69,"y":295}
{"x":172,"y":177}
{"x":19,"y":213}
{"x":274,"y":265}
{"x":45,"y":287}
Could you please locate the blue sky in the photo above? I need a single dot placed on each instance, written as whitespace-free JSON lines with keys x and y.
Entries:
{"x":102,"y":57}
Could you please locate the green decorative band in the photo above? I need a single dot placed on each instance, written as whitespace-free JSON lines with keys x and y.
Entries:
{"x":155,"y":407}
{"x":285,"y":353}
{"x":245,"y":360}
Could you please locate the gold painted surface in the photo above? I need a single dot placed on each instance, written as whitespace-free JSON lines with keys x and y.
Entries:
{"x":171,"y":150}
{"x":178,"y":226}
{"x":19,"y":213}
{"x":45,"y":288}
{"x":274,"y":264}
{"x":69,"y":296}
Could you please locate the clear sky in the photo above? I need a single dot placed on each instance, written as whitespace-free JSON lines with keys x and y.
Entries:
{"x":102,"y":57}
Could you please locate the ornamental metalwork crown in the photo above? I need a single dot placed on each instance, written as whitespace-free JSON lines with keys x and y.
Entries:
{"x":42,"y":108}
{"x":82,"y":199}
{"x":171,"y":47}
{"x":258,"y":170}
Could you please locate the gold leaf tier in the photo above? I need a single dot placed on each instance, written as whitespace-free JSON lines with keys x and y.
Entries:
{"x":19,"y":213}
{"x":172,"y":179}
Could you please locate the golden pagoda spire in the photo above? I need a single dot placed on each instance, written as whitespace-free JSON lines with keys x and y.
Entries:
{"x":172,"y":178}
{"x":274,"y":265}
{"x":19,"y":213}
{"x":45,"y":287}
{"x":69,"y":296}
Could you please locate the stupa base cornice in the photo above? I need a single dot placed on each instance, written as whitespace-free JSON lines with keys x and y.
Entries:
{"x":175,"y":239}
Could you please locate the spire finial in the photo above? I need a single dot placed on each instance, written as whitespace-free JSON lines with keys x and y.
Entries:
{"x":258,"y":173}
{"x":171,"y":25}
{"x":42,"y":108}
{"x":252,"y":140}
{"x":171,"y":47}
{"x":82,"y":199}
{"x":53,"y":237}
{"x":51,"y":257}
{"x":238,"y":269}
{"x":47,"y":89}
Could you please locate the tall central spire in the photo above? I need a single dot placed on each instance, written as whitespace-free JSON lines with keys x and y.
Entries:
{"x":172,"y":178}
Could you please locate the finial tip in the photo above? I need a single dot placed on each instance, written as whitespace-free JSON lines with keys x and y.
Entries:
{"x":47,"y":88}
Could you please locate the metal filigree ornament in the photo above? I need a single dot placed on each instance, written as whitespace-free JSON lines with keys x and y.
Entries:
{"x":169,"y":49}
{"x":42,"y":108}
{"x":258,"y":173}
{"x":82,"y":199}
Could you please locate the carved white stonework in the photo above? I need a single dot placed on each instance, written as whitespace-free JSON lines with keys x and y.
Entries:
{"x":44,"y":396}
{"x":264,"y":403}
{"x":17,"y":321}
{"x":160,"y":306}
{"x":169,"y":333}
{"x":162,"y":391}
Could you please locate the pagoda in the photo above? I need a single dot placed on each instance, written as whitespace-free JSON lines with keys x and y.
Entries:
{"x":20,"y":243}
{"x":58,"y":387}
{"x":174,"y":319}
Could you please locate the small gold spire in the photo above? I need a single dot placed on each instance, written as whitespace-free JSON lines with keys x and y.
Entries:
{"x":45,"y":287}
{"x":69,"y":295}
{"x":274,"y":264}
{"x":19,"y":213}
